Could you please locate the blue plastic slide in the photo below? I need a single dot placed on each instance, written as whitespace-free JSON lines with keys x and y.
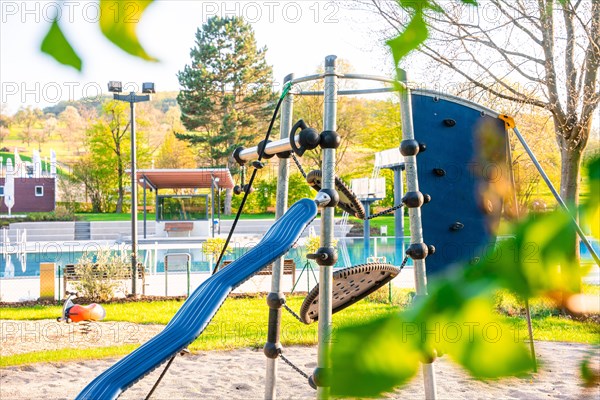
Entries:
{"x":195,"y":314}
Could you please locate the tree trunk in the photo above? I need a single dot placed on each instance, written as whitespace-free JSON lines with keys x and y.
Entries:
{"x":570,"y":174}
{"x":571,"y":154}
{"x":228,"y":197}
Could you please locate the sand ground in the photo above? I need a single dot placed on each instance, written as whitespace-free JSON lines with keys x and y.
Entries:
{"x":239,"y":374}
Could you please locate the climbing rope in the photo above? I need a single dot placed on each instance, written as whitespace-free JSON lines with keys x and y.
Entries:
{"x":403,"y":263}
{"x":257,"y":165}
{"x":294,"y":367}
{"x":292,"y":312}
{"x":162,"y":375}
{"x":299,"y":165}
{"x":389,"y":210}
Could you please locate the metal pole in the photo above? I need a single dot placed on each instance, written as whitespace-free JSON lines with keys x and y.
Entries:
{"x":281,"y":207}
{"x":556,"y":195}
{"x":414,"y":214}
{"x":188,"y":270}
{"x":212,"y":205}
{"x":134,"y":232}
{"x":219,"y":207}
{"x":327,"y":223}
{"x":517,"y":214}
{"x":145,"y":211}
{"x":398,"y":214}
{"x":366,"y":230}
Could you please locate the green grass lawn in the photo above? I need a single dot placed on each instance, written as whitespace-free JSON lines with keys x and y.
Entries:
{"x":242,"y":323}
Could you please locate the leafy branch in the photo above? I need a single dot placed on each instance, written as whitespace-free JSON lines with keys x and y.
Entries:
{"x":118,"y":22}
{"x":456,"y":318}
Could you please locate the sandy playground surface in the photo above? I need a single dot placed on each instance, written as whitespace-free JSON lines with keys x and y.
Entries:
{"x":239,"y":374}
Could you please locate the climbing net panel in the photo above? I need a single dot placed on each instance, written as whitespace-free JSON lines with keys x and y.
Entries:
{"x":350,"y":285}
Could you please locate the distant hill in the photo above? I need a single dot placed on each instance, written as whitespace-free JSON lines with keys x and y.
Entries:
{"x":161,"y":101}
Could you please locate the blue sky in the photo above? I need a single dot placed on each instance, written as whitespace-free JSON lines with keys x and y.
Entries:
{"x":298,"y":34}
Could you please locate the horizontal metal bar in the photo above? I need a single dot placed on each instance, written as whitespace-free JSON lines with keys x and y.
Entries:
{"x":347,"y":92}
{"x":348,"y":76}
{"x":369,"y":78}
{"x":274,"y":147}
{"x":307,"y":78}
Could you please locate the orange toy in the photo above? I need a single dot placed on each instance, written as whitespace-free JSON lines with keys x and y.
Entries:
{"x":77,"y":313}
{"x":93,"y":312}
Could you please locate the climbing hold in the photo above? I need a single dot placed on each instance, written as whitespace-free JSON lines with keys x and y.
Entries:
{"x":449,"y":122}
{"x":457,"y":226}
{"x":439,"y":172}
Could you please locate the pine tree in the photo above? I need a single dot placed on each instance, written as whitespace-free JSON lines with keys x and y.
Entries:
{"x":226,"y":97}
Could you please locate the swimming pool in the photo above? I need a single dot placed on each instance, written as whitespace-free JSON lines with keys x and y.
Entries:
{"x":17,"y":263}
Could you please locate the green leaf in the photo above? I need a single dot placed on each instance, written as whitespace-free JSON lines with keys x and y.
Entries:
{"x":471,"y":2}
{"x":56,"y":45}
{"x":118,"y":22}
{"x":416,"y":32}
{"x":372,"y":358}
{"x":479,"y":341}
{"x":591,"y":210}
{"x":589,"y":374}
{"x":539,"y":260}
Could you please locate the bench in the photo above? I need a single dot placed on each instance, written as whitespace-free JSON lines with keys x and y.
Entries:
{"x":69,"y":275}
{"x":179,"y":227}
{"x":289,"y":268}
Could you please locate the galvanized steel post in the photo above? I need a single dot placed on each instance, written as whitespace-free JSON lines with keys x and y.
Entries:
{"x":281,"y":208}
{"x":414,"y":215}
{"x":327,"y":223}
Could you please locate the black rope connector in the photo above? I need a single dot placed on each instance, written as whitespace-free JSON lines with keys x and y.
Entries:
{"x":417,"y":251}
{"x":409,"y":147}
{"x":261,"y":149}
{"x":275,"y":300}
{"x":320,"y":377}
{"x":284,"y":154}
{"x":329,"y":140}
{"x":325,"y":256}
{"x":272,"y":350}
{"x":308,"y":138}
{"x":413,"y":199}
{"x":258,"y":164}
{"x":237,"y":189}
{"x":236,"y":156}
{"x":333,"y":195}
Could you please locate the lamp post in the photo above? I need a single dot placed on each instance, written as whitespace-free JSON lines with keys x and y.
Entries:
{"x":214,"y":183}
{"x":116,"y":88}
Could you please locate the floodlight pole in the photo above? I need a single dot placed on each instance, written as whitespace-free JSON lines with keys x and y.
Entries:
{"x":132,"y":98}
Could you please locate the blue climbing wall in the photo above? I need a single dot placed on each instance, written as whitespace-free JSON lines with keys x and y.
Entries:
{"x":464,"y":170}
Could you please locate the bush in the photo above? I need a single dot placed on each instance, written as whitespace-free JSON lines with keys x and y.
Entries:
{"x":101,"y":277}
